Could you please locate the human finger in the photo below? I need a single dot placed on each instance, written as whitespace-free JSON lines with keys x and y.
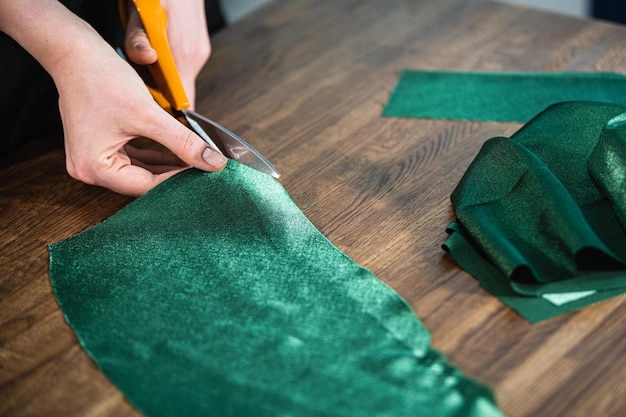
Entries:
{"x":157,"y":169}
{"x":125,"y":178}
{"x":136,"y":44}
{"x":184,"y":143}
{"x":153,"y":157}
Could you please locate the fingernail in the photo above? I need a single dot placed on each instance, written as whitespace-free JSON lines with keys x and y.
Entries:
{"x":140,"y":46}
{"x":213,"y":158}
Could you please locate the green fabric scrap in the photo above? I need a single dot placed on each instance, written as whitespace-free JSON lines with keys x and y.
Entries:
{"x":497,"y":96}
{"x":214,"y":295}
{"x":542,"y":213}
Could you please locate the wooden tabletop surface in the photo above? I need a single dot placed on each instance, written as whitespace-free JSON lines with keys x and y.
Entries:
{"x":304,"y":81}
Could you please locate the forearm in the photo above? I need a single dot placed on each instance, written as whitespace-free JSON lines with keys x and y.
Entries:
{"x":51,"y":33}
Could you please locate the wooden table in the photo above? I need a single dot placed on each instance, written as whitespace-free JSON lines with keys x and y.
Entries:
{"x":305,"y":81}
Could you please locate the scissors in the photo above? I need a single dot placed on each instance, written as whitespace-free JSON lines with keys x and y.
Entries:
{"x":166,"y":87}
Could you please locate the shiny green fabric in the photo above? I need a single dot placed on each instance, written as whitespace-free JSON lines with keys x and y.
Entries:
{"x":214,"y":295}
{"x":490,"y":96}
{"x":541,"y":215}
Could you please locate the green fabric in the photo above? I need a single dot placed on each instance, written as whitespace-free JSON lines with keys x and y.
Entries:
{"x":214,"y":295}
{"x":507,"y":97}
{"x":541,"y":215}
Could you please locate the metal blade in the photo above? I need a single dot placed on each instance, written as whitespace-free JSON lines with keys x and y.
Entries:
{"x":231,"y":145}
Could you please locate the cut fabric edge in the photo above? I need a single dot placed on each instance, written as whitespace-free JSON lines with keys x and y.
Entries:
{"x":397,"y":106}
{"x":533,"y":309}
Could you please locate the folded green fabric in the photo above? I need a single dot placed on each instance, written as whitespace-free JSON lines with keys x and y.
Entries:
{"x":540,"y":215}
{"x":214,"y":295}
{"x":490,"y":96}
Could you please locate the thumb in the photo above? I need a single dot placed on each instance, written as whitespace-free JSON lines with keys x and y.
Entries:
{"x":136,"y":43}
{"x":187,"y":145}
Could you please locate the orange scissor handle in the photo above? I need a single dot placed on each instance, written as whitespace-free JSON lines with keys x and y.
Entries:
{"x":169,"y":91}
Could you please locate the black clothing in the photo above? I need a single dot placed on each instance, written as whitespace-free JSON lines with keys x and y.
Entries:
{"x":28,"y":96}
{"x":612,"y":10}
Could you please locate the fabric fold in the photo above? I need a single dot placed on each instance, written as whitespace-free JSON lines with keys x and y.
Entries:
{"x":606,"y":164}
{"x":540,"y":211}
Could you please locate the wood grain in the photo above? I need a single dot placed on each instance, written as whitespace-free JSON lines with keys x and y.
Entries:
{"x":304,"y":81}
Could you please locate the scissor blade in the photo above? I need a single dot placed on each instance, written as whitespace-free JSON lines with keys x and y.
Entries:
{"x":232,"y":145}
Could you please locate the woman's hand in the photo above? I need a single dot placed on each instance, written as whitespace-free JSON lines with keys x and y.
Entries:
{"x":103,"y":102}
{"x":103,"y":106}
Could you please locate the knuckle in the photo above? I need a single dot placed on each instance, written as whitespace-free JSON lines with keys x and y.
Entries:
{"x":185,"y":141}
{"x":195,"y":54}
{"x":81,"y":172}
{"x":133,"y":36}
{"x":205,"y":51}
